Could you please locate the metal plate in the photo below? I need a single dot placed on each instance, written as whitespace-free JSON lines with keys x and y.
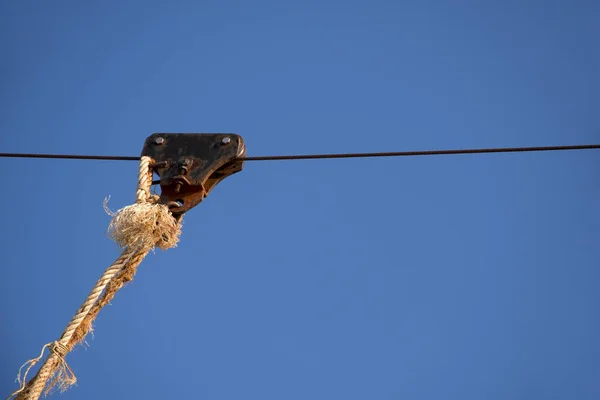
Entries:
{"x":191,"y":164}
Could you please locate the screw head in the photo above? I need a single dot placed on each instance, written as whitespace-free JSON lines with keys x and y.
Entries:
{"x":225,"y":140}
{"x":159,"y":140}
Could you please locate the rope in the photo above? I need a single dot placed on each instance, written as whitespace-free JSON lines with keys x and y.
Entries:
{"x":137,"y":229}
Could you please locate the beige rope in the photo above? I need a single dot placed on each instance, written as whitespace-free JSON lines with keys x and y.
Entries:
{"x":137,"y":229}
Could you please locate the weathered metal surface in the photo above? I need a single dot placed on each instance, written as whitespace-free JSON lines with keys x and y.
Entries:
{"x":191,"y":164}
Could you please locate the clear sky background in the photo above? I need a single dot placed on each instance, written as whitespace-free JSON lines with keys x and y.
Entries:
{"x":451,"y":277}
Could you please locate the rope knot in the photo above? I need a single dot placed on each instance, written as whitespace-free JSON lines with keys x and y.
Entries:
{"x":59,"y":349}
{"x":146,"y":223}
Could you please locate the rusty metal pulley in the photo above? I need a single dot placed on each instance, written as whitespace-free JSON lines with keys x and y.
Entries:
{"x":190,"y":165}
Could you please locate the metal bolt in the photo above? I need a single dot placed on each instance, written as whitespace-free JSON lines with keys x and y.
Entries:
{"x":225,"y":140}
{"x":159,"y":140}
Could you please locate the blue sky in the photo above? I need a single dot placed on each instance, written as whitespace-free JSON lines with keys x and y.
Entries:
{"x":458,"y":277}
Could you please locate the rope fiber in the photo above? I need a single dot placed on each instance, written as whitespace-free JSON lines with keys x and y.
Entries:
{"x":137,"y":229}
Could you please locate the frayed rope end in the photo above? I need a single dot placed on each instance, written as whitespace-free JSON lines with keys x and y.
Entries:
{"x":149,"y":224}
{"x":63,"y":378}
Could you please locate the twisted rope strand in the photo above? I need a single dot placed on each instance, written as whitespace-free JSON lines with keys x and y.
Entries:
{"x":48,"y":371}
{"x":55,"y":368}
